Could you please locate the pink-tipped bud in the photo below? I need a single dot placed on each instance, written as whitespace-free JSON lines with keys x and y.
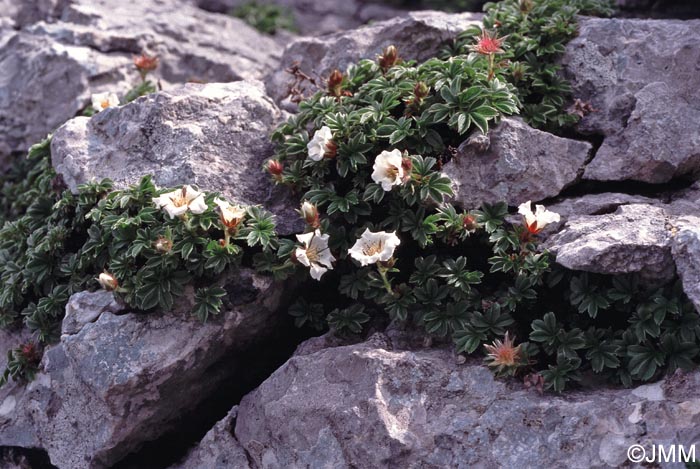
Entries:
{"x":309,"y":213}
{"x":108,"y":281}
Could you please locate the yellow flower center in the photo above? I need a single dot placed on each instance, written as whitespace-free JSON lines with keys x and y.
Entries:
{"x":392,"y":171}
{"x":312,"y":254}
{"x":372,"y":249}
{"x":180,"y":200}
{"x":104,"y":104}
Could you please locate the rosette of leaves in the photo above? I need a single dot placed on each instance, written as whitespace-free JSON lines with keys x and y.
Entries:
{"x":535,"y":33}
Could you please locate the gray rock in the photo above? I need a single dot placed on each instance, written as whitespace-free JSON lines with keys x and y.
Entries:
{"x":517,"y":163}
{"x":45,"y":83}
{"x":685,"y":246}
{"x":215,"y":136}
{"x":123,"y":379}
{"x":418,"y":35}
{"x":314,"y":18}
{"x":86,"y":307}
{"x":71,"y":49}
{"x":191,"y":44}
{"x":219,"y":448}
{"x":641,"y":78}
{"x":589,"y":204}
{"x":367,"y":406}
{"x":635,"y":238}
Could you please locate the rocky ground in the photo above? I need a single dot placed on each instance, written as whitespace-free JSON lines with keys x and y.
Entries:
{"x":122,"y":389}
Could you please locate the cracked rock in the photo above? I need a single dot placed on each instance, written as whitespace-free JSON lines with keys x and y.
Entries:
{"x":635,"y":238}
{"x":685,"y":246}
{"x":518,"y":163}
{"x":641,"y":77}
{"x":367,"y":406}
{"x":70,"y":49}
{"x":86,"y":307}
{"x":125,"y":379}
{"x":215,"y":136}
{"x":316,"y":18}
{"x":219,"y":448}
{"x":418,"y":35}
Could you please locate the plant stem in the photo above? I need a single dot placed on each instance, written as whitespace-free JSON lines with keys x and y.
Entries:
{"x":387,"y":285}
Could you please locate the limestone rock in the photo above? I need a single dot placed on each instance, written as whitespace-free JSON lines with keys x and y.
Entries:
{"x":86,"y":307}
{"x":516,"y":164}
{"x":190,"y":43}
{"x":418,"y":35}
{"x":215,"y":136}
{"x":641,"y":78}
{"x":219,"y":449}
{"x":314,"y":18}
{"x":368,"y":406}
{"x":685,"y":246}
{"x":123,"y":379}
{"x":635,"y":238}
{"x":70,"y":49}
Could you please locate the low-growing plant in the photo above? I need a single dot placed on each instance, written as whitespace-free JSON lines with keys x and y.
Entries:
{"x":534,"y":34}
{"x":145,"y":244}
{"x":266,"y":18}
{"x":144,"y":65}
{"x":365,"y":155}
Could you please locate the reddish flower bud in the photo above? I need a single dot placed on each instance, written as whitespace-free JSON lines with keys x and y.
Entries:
{"x":335,"y":83}
{"x":421,"y":90}
{"x":275,"y":168}
{"x":30,"y":352}
{"x":146,"y":63}
{"x":389,"y":58}
{"x":309,"y":213}
{"x":469,"y":222}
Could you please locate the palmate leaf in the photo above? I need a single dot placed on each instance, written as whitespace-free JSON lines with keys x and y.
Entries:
{"x":446,"y":320}
{"x":586,"y":296}
{"x":259,"y":229}
{"x":159,"y":289}
{"x":348,"y":320}
{"x":207,"y":302}
{"x":644,"y":361}
{"x":468,"y":339}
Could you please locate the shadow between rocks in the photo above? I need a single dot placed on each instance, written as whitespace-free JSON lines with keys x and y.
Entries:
{"x":255,"y":365}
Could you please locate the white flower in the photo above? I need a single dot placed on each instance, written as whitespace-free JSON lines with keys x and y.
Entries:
{"x":374,"y":247}
{"x":388,"y":169}
{"x":230,"y":215}
{"x":315,"y":253}
{"x":535,"y":222}
{"x":318,"y":146}
{"x":101,"y":101}
{"x":178,"y":202}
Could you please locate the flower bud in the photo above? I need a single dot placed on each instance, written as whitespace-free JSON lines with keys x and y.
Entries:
{"x":30,"y":352}
{"x":421,"y":90}
{"x":108,"y":281}
{"x":389,"y":58}
{"x":469,"y":222}
{"x":309,"y":213}
{"x":335,"y":83}
{"x":163,"y":245}
{"x":275,"y":168}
